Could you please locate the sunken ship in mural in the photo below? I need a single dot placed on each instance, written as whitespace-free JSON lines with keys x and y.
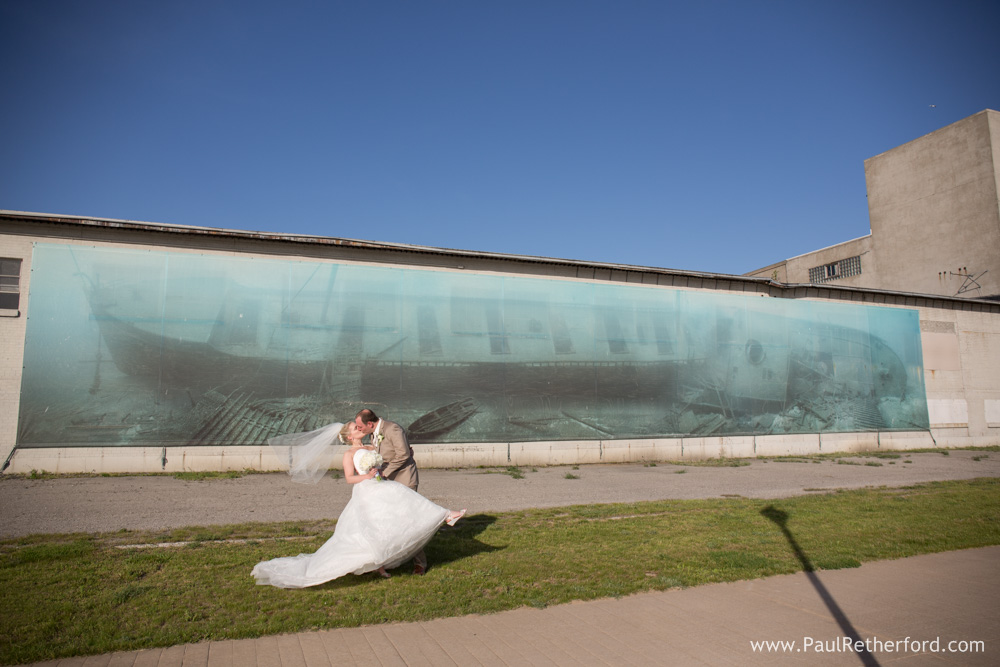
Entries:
{"x":464,"y":368}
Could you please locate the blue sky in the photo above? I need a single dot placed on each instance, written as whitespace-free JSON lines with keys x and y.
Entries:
{"x":706,"y":136}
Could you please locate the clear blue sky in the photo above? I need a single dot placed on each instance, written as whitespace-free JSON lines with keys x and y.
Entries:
{"x":708,"y":136}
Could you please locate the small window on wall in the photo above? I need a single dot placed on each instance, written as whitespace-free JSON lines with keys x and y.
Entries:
{"x":842,"y":269}
{"x":10,"y":283}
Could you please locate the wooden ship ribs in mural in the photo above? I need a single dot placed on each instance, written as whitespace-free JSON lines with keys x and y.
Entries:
{"x":443,"y":361}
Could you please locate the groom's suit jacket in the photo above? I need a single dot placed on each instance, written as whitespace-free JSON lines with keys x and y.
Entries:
{"x":397,"y":455}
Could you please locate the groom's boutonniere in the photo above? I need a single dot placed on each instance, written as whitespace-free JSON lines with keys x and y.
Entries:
{"x":378,"y":439}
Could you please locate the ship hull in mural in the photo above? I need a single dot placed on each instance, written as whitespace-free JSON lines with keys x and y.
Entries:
{"x":719,"y":379}
{"x":345,"y":371}
{"x":138,"y":352}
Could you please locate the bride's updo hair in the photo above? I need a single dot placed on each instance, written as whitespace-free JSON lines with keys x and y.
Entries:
{"x":345,"y":433}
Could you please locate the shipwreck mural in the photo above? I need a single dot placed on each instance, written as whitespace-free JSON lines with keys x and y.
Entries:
{"x":141,"y":348}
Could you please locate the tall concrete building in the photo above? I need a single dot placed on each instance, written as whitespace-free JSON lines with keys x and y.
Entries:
{"x":935,"y":220}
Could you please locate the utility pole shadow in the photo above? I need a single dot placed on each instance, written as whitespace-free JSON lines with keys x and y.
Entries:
{"x":780,"y":518}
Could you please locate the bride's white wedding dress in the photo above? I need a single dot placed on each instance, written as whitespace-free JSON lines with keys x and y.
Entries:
{"x":383,"y":525}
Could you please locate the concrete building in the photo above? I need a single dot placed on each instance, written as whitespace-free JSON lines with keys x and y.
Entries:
{"x":935,"y":220}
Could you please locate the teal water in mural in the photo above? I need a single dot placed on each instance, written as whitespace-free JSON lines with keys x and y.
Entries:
{"x":143,"y":348}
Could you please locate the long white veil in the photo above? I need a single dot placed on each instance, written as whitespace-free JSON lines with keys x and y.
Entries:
{"x":307,"y":456}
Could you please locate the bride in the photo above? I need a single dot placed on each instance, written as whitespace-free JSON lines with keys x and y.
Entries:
{"x":383,"y":526}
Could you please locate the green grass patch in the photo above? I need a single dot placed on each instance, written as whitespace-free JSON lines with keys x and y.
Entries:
{"x":199,"y":476}
{"x":514,"y":471}
{"x":73,"y":595}
{"x":713,"y":463}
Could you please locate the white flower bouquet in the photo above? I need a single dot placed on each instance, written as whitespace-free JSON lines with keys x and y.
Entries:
{"x":371,"y":460}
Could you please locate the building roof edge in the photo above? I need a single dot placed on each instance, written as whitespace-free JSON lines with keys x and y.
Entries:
{"x":401,"y":247}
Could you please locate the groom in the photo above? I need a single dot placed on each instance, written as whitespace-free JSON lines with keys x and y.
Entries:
{"x":390,"y":441}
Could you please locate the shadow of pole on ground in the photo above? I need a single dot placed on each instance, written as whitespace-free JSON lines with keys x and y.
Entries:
{"x":780,"y":518}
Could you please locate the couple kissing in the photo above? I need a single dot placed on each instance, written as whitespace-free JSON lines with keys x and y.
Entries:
{"x":385,"y":524}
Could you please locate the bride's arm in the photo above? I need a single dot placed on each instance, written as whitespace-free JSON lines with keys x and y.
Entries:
{"x":350,"y":474}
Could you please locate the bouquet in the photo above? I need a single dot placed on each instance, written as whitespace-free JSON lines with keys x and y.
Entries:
{"x":371,"y":460}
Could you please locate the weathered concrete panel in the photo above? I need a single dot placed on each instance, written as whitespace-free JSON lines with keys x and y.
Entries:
{"x":982,"y":349}
{"x":991,"y":408}
{"x":941,"y":351}
{"x":948,"y":412}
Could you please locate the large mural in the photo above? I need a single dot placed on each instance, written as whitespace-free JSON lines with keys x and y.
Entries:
{"x":147,"y":348}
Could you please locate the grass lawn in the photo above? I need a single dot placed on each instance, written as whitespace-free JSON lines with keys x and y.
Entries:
{"x":70,"y":595}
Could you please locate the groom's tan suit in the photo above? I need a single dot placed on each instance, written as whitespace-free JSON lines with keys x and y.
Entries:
{"x":397,"y":455}
{"x":399,"y":465}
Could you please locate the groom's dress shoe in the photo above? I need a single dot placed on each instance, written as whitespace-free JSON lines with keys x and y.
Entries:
{"x":419,"y":569}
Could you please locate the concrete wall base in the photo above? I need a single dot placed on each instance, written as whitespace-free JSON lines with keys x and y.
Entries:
{"x":119,"y":460}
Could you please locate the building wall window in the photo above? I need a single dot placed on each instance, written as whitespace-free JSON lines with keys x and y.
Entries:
{"x":840,"y":269}
{"x":10,"y":283}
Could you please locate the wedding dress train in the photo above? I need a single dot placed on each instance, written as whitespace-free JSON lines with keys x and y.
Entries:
{"x":383,"y":525}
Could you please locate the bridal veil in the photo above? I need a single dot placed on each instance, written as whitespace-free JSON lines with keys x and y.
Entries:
{"x":307,"y":456}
